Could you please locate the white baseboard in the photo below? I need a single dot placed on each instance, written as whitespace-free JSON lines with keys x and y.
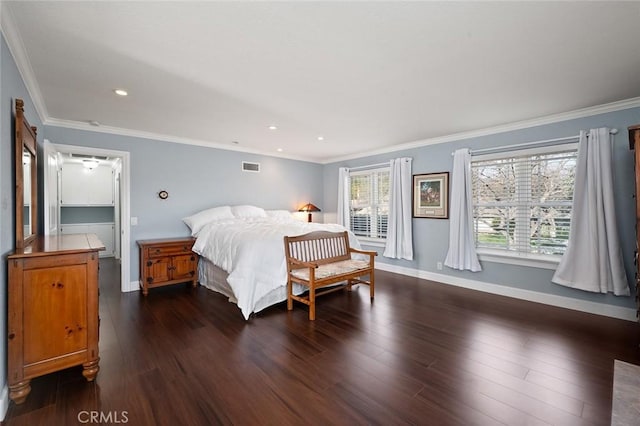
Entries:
{"x":133,"y":286}
{"x":4,"y":402}
{"x":517,"y":293}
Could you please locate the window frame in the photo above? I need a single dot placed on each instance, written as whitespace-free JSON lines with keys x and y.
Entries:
{"x":544,"y":261}
{"x":369,"y":240}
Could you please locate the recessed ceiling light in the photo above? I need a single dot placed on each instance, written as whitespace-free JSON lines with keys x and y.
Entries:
{"x":90,"y":164}
{"x":279,"y":149}
{"x":272,"y":127}
{"x":120,"y":92}
{"x":320,"y":138}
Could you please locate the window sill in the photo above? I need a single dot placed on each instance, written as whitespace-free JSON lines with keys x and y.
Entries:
{"x":530,"y":260}
{"x":372,"y":242}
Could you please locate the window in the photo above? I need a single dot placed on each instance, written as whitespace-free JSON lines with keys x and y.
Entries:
{"x":522,"y":201}
{"x":369,"y":203}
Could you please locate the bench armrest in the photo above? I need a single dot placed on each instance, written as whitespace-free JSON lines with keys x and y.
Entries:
{"x":297,"y":262}
{"x":369,"y":253}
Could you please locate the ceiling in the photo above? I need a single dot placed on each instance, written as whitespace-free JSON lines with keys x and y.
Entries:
{"x":367,"y":76}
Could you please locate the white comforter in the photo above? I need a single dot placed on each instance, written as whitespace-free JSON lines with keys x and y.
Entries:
{"x":251,"y":251}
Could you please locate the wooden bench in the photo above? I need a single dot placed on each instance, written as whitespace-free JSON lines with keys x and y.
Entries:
{"x":321,"y":259}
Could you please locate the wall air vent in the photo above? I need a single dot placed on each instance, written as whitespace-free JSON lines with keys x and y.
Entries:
{"x":248,"y":166}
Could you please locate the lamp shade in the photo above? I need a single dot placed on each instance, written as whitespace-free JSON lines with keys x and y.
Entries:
{"x":309,"y":208}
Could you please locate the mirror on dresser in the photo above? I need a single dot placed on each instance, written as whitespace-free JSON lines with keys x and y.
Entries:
{"x":52,"y":292}
{"x":26,"y":171}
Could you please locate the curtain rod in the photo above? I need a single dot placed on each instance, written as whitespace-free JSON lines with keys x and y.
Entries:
{"x":557,"y":141}
{"x":368,"y":166}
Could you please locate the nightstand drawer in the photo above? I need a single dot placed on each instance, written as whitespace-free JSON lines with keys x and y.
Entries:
{"x":169,"y":250}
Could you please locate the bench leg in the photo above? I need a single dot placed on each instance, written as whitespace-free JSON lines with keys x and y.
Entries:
{"x":289,"y":293}
{"x":312,"y":302}
{"x":371,"y":284}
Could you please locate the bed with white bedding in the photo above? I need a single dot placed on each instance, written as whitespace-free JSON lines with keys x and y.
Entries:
{"x":242,"y":253}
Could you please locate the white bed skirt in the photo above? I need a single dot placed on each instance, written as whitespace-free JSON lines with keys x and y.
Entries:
{"x":215,"y":278}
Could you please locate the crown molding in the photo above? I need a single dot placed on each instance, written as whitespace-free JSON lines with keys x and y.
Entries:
{"x":18,"y":51}
{"x":78,"y":125}
{"x":518,"y":125}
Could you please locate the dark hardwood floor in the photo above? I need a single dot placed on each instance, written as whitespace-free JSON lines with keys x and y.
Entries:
{"x":422,"y":353}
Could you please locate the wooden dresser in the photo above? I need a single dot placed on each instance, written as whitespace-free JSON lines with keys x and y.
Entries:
{"x":167,"y":261}
{"x":52,"y":309}
{"x":634,"y":144}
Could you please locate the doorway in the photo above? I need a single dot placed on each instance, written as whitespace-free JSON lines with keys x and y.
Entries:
{"x":118,"y":162}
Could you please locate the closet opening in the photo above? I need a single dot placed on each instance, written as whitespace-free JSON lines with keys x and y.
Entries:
{"x":87,"y":191}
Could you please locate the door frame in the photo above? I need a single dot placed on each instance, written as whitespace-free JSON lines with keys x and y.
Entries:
{"x":50,"y":150}
{"x":125,"y":207}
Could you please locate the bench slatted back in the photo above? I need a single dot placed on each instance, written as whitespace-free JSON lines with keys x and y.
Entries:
{"x":320,"y":247}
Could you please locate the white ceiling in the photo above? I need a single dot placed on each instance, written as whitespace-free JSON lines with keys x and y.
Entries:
{"x":368,"y":76}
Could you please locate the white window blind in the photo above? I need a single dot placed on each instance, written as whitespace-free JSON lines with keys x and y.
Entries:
{"x":522,"y":200}
{"x":369,"y":203}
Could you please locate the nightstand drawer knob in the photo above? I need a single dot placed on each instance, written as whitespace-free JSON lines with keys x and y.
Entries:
{"x":149,"y":263}
{"x":193,"y":258}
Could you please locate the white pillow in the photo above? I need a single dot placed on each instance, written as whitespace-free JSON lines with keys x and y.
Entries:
{"x":279,"y":213}
{"x":248,"y":211}
{"x":197,"y":221}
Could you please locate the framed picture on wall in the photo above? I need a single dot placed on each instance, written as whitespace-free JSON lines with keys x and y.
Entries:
{"x":431,"y":195}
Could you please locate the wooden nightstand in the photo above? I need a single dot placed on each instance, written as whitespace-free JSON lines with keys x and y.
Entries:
{"x":167,"y":261}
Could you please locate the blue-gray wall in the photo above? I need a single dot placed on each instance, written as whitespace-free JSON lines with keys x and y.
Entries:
{"x":11,"y":87}
{"x":431,"y":236}
{"x":196,"y":178}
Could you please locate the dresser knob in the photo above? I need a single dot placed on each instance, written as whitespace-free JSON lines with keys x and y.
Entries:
{"x":12,"y":336}
{"x":193,"y":258}
{"x":149,"y":263}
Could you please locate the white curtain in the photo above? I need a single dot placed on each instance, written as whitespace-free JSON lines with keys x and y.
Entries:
{"x":462,"y":250}
{"x":593,"y":259}
{"x":399,"y":243}
{"x":343,"y":197}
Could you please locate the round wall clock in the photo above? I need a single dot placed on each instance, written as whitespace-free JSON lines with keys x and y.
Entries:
{"x":163,"y":195}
